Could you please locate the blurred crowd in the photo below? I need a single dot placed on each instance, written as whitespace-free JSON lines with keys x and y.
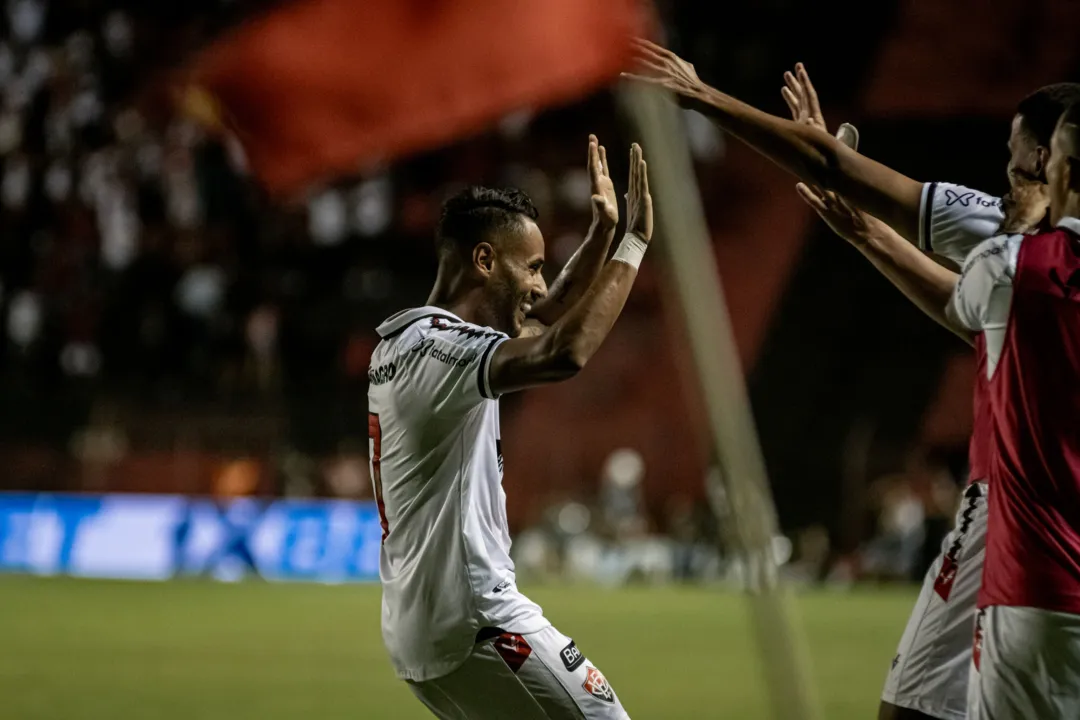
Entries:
{"x":615,"y":540}
{"x":140,"y":266}
{"x":161,"y":320}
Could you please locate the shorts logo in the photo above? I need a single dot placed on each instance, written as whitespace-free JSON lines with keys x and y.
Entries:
{"x":945,"y":579}
{"x":950,"y":563}
{"x":597,"y":685}
{"x":504,"y":585}
{"x":571,"y":657}
{"x":513,"y":649}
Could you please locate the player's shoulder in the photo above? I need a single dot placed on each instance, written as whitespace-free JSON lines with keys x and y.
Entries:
{"x":1000,"y":252}
{"x":408,"y":327}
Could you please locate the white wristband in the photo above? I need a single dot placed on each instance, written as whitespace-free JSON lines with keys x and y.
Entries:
{"x":631,"y":250}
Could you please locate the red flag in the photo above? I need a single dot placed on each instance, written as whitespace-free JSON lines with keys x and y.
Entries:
{"x":316,"y":88}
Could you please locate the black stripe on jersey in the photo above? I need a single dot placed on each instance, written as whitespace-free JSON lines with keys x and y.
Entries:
{"x":412,"y":322}
{"x":481,"y":371}
{"x":926,"y":243}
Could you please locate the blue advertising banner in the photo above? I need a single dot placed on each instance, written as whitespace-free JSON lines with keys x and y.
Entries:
{"x":155,"y":537}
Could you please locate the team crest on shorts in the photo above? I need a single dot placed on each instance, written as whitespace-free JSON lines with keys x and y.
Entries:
{"x":597,"y":685}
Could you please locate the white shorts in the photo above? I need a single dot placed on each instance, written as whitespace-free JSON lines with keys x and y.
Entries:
{"x":1026,"y":665}
{"x":930,"y":670}
{"x":538,"y":676}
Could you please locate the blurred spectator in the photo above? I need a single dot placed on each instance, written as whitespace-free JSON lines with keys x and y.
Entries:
{"x":620,"y":495}
{"x":894,"y":552}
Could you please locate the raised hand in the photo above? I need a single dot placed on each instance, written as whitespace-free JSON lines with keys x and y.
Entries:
{"x":849,"y":223}
{"x":605,"y":203}
{"x":660,"y":67}
{"x":639,"y":212}
{"x":802,"y":98}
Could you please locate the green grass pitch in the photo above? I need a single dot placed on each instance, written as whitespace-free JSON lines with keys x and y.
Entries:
{"x":87,"y":650}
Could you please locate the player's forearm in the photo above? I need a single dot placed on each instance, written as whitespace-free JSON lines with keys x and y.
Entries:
{"x":561,"y":351}
{"x":576,"y":337}
{"x":922,"y":280}
{"x":577,"y":275}
{"x":818,"y":159}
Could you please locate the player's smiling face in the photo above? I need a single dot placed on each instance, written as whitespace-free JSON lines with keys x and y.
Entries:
{"x":516,"y":282}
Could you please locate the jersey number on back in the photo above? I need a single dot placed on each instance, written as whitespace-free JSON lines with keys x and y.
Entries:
{"x":375,"y":436}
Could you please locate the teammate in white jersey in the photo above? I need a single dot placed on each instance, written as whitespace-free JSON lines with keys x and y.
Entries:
{"x":929,"y":674}
{"x":457,"y":628}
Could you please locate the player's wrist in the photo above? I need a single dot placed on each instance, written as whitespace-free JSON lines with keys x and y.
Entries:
{"x":631,"y":250}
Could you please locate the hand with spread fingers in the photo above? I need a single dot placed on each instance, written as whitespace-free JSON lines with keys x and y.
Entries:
{"x":659,"y":67}
{"x":639,"y":210}
{"x":605,"y":203}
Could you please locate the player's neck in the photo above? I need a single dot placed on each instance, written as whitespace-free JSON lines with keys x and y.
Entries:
{"x":448,"y":294}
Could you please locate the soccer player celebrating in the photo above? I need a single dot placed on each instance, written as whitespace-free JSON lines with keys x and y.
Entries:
{"x":1022,"y":293}
{"x":929,"y":674}
{"x":458,"y":630}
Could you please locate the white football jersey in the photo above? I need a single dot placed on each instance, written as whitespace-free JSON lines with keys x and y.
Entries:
{"x":954,"y":219}
{"x":436,"y":464}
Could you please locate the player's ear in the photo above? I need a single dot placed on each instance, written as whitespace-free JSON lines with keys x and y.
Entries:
{"x":1042,"y":157}
{"x":483,"y":257}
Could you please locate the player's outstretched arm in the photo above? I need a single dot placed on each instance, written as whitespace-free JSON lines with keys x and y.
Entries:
{"x":810,"y":153}
{"x":564,"y":348}
{"x":922,"y":280}
{"x":583,"y":267}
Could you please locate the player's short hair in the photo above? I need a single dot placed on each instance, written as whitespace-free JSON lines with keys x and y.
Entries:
{"x":1039,"y":111}
{"x":476,"y":213}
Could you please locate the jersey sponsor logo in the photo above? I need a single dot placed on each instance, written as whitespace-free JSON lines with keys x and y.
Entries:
{"x":965,"y":199}
{"x":597,"y":685}
{"x":382,"y":374}
{"x":428,"y":348}
{"x":468,"y":331}
{"x":997,"y":249}
{"x":571,"y":657}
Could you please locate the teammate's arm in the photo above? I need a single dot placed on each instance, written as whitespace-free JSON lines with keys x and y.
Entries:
{"x":811,"y":153}
{"x":923,"y":281}
{"x":564,"y":348}
{"x":583,"y":267}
